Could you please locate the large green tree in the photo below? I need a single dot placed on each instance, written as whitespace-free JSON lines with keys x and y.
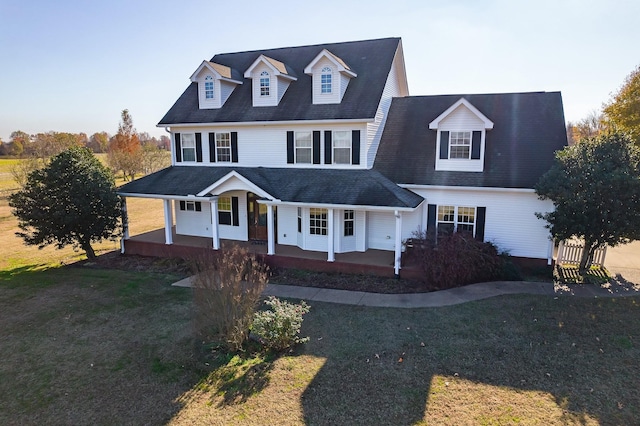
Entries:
{"x":623,"y":110}
{"x":71,"y":201}
{"x":595,"y":189}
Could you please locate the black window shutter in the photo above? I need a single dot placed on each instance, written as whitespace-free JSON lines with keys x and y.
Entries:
{"x":176,"y":137}
{"x":431,"y":218}
{"x":234,"y":147}
{"x":444,"y":145}
{"x":212,"y":147}
{"x":475,"y":145}
{"x":183,"y":205}
{"x":355,"y":147}
{"x":327,"y":147}
{"x":290,"y":147}
{"x":199,"y":147}
{"x":234,"y":211}
{"x":316,"y":147}
{"x":198,"y":206}
{"x":481,"y":213}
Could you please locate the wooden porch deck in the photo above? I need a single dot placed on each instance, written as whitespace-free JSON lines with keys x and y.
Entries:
{"x":376,"y":262}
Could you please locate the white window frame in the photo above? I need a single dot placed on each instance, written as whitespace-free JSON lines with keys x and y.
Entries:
{"x":223,"y":147}
{"x":326,"y":81}
{"x":265,"y":84}
{"x":458,"y":216}
{"x":191,"y":206}
{"x":188,"y":145}
{"x":341,"y":144}
{"x":208,"y":87}
{"x":318,"y":221}
{"x":300,"y":147}
{"x":225,"y":208}
{"x":349,"y":218}
{"x":460,"y":141}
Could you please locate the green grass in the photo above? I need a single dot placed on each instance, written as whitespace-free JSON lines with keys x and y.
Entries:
{"x":82,"y":345}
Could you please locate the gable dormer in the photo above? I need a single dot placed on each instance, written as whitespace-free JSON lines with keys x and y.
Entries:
{"x":269,"y":80}
{"x":215,"y":84}
{"x":330,"y":78}
{"x":461,"y":134}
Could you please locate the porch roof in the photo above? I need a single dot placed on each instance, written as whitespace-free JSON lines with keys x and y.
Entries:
{"x":294,"y":185}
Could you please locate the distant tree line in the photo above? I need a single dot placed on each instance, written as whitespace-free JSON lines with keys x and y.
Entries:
{"x":128,"y":152}
{"x":620,"y":114}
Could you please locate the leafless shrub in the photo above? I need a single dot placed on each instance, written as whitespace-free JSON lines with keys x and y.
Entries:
{"x":227,"y":289}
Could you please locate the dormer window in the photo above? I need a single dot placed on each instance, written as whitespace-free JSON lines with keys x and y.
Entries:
{"x":323,"y":68}
{"x":461,"y":132}
{"x":208,"y":87}
{"x":264,"y":83}
{"x":325,"y":80}
{"x":215,"y":83}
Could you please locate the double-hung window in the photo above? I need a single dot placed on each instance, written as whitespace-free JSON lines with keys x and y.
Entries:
{"x":349,"y":216}
{"x":224,"y":210}
{"x":318,"y":221}
{"x":265,"y":83}
{"x":456,"y":219}
{"x":299,"y":219}
{"x":208,"y":87}
{"x":223,"y":147}
{"x":304,"y":147}
{"x":325,"y":80}
{"x":342,"y":147}
{"x":188,"y":147}
{"x":460,"y":145}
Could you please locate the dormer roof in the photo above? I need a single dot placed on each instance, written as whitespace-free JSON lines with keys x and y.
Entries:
{"x":221,"y":72}
{"x":337,"y":61}
{"x":488,"y":124}
{"x":279,"y":69}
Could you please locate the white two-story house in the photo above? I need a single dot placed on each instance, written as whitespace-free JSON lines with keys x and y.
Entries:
{"x":321,"y":147}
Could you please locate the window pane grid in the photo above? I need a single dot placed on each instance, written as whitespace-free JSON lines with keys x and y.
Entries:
{"x":459,"y":144}
{"x":348,"y":222}
{"x":342,"y":147}
{"x":223,"y":147}
{"x":325,"y":80}
{"x":303,"y":147}
{"x":188,"y":144}
{"x":318,"y":221}
{"x":208,"y":87}
{"x":264,"y":83}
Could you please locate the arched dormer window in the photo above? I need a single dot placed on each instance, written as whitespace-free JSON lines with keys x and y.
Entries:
{"x":208,"y":87}
{"x":325,"y":80}
{"x":265,"y":82}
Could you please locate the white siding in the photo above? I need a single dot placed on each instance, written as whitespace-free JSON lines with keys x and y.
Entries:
{"x":197,"y":224}
{"x":240,"y":232}
{"x":226,"y":89}
{"x":392,"y":88}
{"x":461,"y":119}
{"x":266,"y":145}
{"x":283,"y":85}
{"x":344,"y":82}
{"x":510,"y":223}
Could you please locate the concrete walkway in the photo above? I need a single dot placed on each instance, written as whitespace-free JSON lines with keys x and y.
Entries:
{"x":449,"y":297}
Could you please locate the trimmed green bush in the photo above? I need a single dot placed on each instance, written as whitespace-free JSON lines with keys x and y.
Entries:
{"x":278,"y":328}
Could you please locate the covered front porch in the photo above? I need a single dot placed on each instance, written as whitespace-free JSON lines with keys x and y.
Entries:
{"x":373,"y":262}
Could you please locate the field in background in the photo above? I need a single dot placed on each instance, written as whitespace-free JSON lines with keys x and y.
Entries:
{"x":144,"y":215}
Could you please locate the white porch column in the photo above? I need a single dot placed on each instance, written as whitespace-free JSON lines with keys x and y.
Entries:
{"x":271,"y":241}
{"x":331,"y":256}
{"x":215,"y":234}
{"x":125,"y":223}
{"x":425,"y":214}
{"x":398,"y":245}
{"x":168,"y":222}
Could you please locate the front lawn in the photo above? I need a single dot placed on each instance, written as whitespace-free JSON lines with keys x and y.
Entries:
{"x":98,"y":346}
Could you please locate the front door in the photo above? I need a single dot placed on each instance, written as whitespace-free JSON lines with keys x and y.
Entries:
{"x":257,"y":214}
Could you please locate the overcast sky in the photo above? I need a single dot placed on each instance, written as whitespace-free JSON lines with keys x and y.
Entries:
{"x":72,"y":65}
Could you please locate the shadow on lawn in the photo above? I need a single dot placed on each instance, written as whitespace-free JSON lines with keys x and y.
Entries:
{"x":386,"y":366}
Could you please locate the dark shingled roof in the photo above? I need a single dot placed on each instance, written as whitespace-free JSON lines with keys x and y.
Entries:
{"x":319,"y":186}
{"x":370,"y":59}
{"x":528,"y":129}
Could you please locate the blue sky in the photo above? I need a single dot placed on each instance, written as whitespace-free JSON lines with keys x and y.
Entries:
{"x":73,"y":65}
